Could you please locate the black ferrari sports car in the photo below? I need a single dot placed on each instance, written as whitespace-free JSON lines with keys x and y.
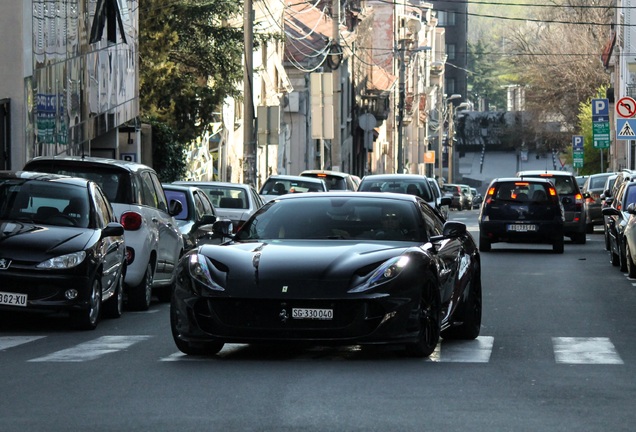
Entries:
{"x":332,"y":268}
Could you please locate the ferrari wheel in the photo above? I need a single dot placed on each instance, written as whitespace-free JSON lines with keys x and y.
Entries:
{"x":470,"y":314}
{"x":202,"y":348}
{"x":86,"y":319}
{"x":429,"y":316}
{"x":140,"y":296}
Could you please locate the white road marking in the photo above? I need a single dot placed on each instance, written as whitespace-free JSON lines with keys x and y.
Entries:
{"x":474,"y":351}
{"x":12,"y":341}
{"x":578,"y":350}
{"x":92,"y":350}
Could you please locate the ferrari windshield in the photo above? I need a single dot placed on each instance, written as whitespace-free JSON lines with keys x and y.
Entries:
{"x":335,"y":218}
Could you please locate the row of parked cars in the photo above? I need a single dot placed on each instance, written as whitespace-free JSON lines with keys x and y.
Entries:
{"x":618,"y":213}
{"x":90,"y":236}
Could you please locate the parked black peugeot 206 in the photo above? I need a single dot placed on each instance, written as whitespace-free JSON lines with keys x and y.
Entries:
{"x":519,"y":210}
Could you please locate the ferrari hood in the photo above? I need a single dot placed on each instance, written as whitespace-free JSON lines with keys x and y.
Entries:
{"x":32,"y":242}
{"x":324,"y":265}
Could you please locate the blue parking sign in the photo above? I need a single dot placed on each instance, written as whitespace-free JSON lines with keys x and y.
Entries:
{"x":600,"y":107}
{"x":577,"y":142}
{"x":600,"y":110}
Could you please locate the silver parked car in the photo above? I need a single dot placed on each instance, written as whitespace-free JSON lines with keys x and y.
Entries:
{"x":234,"y":201}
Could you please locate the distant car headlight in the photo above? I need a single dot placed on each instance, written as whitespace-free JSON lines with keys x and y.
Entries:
{"x":387,"y":271}
{"x":199,"y":267}
{"x":63,"y":262}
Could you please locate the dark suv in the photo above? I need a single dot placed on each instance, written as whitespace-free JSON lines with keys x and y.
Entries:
{"x":575,"y":226}
{"x":519,"y":210}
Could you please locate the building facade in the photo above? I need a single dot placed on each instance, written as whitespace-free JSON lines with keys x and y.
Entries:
{"x":69,"y":79}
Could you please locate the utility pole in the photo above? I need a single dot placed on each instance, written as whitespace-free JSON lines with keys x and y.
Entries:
{"x":400,"y":131}
{"x":336,"y":142}
{"x":440,"y":135}
{"x":451,"y":132}
{"x":249,"y":141}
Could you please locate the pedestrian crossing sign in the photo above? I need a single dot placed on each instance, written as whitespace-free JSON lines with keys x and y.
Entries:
{"x":626,"y":129}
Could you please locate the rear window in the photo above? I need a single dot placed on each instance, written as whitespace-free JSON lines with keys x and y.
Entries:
{"x":283,"y":186}
{"x":564,"y":185}
{"x":226,"y":197}
{"x":521,"y":191}
{"x":114,"y":182}
{"x":333,"y":182}
{"x":597,"y":182}
{"x":411,"y":187}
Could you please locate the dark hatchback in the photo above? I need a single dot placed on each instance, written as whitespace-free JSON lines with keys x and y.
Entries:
{"x":521,"y":211}
{"x":61,"y":248}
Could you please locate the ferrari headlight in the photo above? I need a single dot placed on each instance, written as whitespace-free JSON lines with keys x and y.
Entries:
{"x":199,"y":267}
{"x":387,"y":271}
{"x":64,"y":261}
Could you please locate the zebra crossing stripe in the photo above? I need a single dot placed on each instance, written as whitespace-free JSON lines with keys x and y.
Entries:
{"x":13,"y":341}
{"x":472,"y":351}
{"x":572,"y":350}
{"x":92,"y":350}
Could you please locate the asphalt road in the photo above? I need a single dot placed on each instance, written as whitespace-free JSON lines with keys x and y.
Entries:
{"x":556,"y":353}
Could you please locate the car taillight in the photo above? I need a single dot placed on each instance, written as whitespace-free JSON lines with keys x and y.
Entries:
{"x":578,"y":202}
{"x":131,"y":221}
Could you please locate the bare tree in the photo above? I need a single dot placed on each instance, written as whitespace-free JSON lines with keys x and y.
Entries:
{"x":557,"y":57}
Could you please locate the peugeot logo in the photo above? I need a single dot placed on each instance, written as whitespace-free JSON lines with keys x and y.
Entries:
{"x":4,"y":264}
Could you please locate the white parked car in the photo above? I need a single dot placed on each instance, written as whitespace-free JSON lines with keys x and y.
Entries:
{"x":154,"y":243}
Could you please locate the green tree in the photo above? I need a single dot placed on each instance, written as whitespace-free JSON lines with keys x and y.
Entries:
{"x":486,"y":78}
{"x":190,"y":61}
{"x":168,"y":156}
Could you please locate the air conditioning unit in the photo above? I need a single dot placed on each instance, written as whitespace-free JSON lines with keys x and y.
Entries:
{"x":293,"y":102}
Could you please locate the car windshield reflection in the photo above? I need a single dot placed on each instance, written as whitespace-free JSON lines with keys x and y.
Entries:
{"x":334,"y":218}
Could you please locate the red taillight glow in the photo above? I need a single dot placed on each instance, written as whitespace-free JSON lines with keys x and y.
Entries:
{"x":131,"y":221}
{"x":552,"y":191}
